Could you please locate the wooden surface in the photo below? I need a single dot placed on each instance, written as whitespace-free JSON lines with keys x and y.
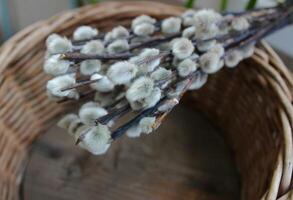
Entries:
{"x":185,"y":159}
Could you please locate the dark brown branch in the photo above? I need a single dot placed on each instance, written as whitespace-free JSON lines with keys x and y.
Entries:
{"x":79,"y":57}
{"x":154,"y":41}
{"x":122,"y":129}
{"x":119,"y":112}
{"x":80,"y":84}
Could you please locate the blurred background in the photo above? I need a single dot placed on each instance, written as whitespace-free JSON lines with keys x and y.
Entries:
{"x":17,"y":14}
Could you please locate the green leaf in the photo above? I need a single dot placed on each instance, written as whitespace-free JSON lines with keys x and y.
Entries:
{"x":190,"y":3}
{"x":91,"y":1}
{"x":80,"y":3}
{"x":94,"y":1}
{"x":224,"y":5}
{"x":251,"y":4}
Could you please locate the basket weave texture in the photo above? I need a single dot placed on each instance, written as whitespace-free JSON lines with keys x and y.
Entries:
{"x":251,"y":103}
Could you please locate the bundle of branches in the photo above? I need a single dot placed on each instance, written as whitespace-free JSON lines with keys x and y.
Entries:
{"x":140,"y":73}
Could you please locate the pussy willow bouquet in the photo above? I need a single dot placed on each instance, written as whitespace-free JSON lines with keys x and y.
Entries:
{"x":134,"y":76}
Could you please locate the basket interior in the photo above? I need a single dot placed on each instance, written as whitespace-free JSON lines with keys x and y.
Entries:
{"x":241,"y":104}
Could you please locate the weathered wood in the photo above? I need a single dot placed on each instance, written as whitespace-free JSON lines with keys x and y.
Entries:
{"x":185,"y":159}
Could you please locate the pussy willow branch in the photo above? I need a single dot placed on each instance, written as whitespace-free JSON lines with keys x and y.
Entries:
{"x":116,"y":113}
{"x":267,"y":29}
{"x":79,"y":84}
{"x":154,"y":110}
{"x":78,"y":57}
{"x":101,"y":36}
{"x":119,"y":112}
{"x":257,"y":31}
{"x":252,"y":36}
{"x":122,"y":129}
{"x":157,"y":24}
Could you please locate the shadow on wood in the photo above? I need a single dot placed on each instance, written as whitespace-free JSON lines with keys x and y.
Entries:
{"x":185,"y":159}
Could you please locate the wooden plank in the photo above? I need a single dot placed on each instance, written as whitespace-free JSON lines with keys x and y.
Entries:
{"x":185,"y":159}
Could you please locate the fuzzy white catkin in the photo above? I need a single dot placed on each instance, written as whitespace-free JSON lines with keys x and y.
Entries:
{"x":188,"y":13}
{"x":56,"y":66}
{"x":108,"y":37}
{"x":182,"y":48}
{"x":247,"y":50}
{"x":51,"y":37}
{"x":180,"y":87}
{"x":171,"y":25}
{"x":80,"y":131}
{"x":240,"y":24}
{"x":189,"y":32}
{"x":73,"y":94}
{"x":134,"y":131}
{"x":97,"y":140}
{"x":122,"y":72}
{"x":88,"y":115}
{"x":134,"y":60}
{"x":73,"y":126}
{"x":152,"y":99}
{"x":58,"y":83}
{"x":118,"y":46}
{"x":93,"y":47}
{"x":105,"y":99}
{"x":90,"y":104}
{"x":140,"y":89}
{"x":232,"y":58}
{"x":66,"y":121}
{"x":206,"y":46}
{"x":103,"y":84}
{"x":161,"y":74}
{"x":57,"y":45}
{"x":144,"y":29}
{"x":89,"y":67}
{"x":186,"y":67}
{"x":146,"y":124}
{"x":148,"y":60}
{"x":210,"y":62}
{"x":84,"y":33}
{"x":56,"y":99}
{"x":188,"y":17}
{"x":188,"y":21}
{"x":120,"y":32}
{"x":142,"y":19}
{"x":206,"y":23}
{"x":218,"y":49}
{"x":199,"y":82}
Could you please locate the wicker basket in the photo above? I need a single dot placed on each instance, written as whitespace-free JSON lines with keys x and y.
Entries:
{"x":252,"y":103}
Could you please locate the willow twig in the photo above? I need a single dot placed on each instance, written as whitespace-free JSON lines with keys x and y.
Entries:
{"x":119,"y":112}
{"x":80,"y":84}
{"x":122,"y":129}
{"x":79,"y":57}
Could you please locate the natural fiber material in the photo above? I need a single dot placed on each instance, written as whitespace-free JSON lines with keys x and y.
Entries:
{"x":251,"y":103}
